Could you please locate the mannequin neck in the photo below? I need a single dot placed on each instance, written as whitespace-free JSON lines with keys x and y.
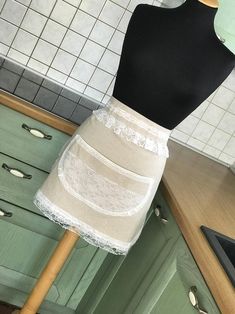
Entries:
{"x":196,"y":10}
{"x":210,"y":3}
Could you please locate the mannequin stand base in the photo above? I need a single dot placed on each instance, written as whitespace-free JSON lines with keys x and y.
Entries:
{"x":49,"y":273}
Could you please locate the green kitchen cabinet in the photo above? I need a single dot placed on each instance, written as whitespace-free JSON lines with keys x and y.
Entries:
{"x":17,"y":142}
{"x":115,"y":285}
{"x":155,"y":277}
{"x":168,"y":291}
{"x":27,"y":237}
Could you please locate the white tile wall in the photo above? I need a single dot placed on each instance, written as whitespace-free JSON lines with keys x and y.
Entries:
{"x":24,"y":42}
{"x":78,"y":44}
{"x":63,"y":13}
{"x":43,"y":7}
{"x":33,"y":22}
{"x":210,"y":129}
{"x":13,"y":12}
{"x":53,"y":32}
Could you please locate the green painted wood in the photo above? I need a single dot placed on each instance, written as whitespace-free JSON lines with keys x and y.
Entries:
{"x":100,"y":284}
{"x":154,"y":244}
{"x":88,"y":276}
{"x":22,"y":282}
{"x":20,"y":144}
{"x":17,"y":190}
{"x":68,"y":279}
{"x":155,"y":277}
{"x":23,"y":255}
{"x":16,"y":297}
{"x":28,"y":238}
{"x":101,"y":281}
{"x":168,"y":291}
{"x":35,"y":223}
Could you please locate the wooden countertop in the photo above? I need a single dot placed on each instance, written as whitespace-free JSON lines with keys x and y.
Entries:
{"x":201,"y":191}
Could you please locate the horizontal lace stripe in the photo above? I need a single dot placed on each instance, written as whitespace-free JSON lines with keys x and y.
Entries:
{"x":156,"y":145}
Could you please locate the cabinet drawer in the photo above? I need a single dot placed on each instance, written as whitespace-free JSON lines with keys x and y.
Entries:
{"x":169,"y":290}
{"x":17,"y":190}
{"x":33,"y":222}
{"x":19,"y":143}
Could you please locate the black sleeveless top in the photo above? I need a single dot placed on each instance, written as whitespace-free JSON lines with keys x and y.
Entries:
{"x":171,"y":61}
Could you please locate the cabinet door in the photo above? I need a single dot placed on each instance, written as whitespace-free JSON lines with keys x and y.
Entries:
{"x":169,"y":288}
{"x":113,"y":293}
{"x":25,"y":250}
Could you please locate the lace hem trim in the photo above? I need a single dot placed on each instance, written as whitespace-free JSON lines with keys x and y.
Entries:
{"x":131,"y":135}
{"x":90,"y":235}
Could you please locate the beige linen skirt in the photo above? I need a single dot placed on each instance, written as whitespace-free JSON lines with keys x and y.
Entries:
{"x":104,"y":180}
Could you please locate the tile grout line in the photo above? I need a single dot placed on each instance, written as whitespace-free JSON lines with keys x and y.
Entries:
{"x":15,"y":38}
{"x":3,"y":6}
{"x":53,"y":81}
{"x":116,"y":29}
{"x":17,"y":26}
{"x":39,"y":38}
{"x":107,"y":49}
{"x":87,"y":38}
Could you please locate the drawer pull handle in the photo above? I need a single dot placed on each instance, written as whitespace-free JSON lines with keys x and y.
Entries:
{"x":4,"y":213}
{"x":194,"y":300}
{"x":36,"y":132}
{"x":158,"y":213}
{"x":16,"y":172}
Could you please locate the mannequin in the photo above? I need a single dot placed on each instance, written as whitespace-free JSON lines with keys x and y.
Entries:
{"x":171,"y":61}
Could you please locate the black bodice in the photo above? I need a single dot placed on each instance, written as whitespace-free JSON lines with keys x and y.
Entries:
{"x":171,"y":61}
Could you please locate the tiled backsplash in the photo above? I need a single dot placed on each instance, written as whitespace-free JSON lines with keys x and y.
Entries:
{"x":44,"y":93}
{"x":211,"y":127}
{"x":80,"y":49}
{"x":77,"y":43}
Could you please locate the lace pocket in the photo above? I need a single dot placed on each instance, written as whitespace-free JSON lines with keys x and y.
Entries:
{"x":100,"y":183}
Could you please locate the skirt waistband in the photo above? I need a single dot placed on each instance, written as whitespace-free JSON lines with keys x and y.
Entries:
{"x":127,"y":113}
{"x":134,"y":127}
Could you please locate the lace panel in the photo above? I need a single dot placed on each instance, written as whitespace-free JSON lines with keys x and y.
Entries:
{"x":98,"y":191}
{"x":154,"y":145}
{"x":89,"y":234}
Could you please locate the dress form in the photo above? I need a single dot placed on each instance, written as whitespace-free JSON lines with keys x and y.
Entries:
{"x":171,"y":61}
{"x":153,"y":106}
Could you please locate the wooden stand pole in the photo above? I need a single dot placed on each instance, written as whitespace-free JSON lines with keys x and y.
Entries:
{"x":49,"y":273}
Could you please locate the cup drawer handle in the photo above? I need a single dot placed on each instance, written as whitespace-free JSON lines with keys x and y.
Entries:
{"x":16,"y":172}
{"x":4,"y":213}
{"x":36,"y":132}
{"x":194,"y":300}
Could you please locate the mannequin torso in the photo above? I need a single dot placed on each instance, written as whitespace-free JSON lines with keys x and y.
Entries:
{"x":171,"y":61}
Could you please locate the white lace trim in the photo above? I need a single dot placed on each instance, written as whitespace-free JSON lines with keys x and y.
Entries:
{"x":129,"y":117}
{"x":97,"y":191}
{"x":120,"y":128}
{"x":89,"y":234}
